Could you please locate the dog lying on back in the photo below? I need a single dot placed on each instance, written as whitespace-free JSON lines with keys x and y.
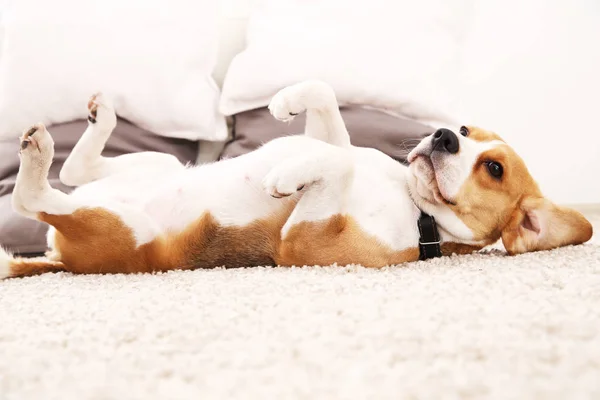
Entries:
{"x":311,"y":199}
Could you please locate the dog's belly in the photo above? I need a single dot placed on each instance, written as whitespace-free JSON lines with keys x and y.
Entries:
{"x":233,"y":198}
{"x":231,"y":191}
{"x":132,"y":188}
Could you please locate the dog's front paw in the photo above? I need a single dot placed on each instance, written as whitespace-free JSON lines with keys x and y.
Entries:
{"x":284,"y":180}
{"x":286,"y":104}
{"x":295,"y":99}
{"x":101,"y":112}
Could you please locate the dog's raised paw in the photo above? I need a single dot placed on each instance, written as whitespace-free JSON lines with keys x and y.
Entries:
{"x":101,"y":111}
{"x":295,"y":99}
{"x":286,"y":104}
{"x":36,"y":142}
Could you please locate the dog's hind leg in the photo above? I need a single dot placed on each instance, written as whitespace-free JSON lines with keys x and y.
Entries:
{"x":86,"y":164}
{"x":32,"y":193}
{"x":323,"y":118}
{"x":89,"y":238}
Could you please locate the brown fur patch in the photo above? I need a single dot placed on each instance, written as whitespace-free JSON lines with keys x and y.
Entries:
{"x":97,"y":241}
{"x":481,"y":135}
{"x":451,"y":248}
{"x":484,"y":203}
{"x":337,"y":240}
{"x":494,"y":208}
{"x":211,"y":245}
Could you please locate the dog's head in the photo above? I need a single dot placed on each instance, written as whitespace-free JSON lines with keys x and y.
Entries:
{"x":482,"y":181}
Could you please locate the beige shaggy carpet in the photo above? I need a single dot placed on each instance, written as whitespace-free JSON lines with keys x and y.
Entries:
{"x":485,"y":326}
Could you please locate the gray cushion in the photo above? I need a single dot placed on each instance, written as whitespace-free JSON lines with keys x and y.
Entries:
{"x":26,"y":236}
{"x":392,"y":135}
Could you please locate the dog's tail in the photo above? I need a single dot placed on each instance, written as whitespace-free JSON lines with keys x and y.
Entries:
{"x":13,"y":267}
{"x":323,"y":118}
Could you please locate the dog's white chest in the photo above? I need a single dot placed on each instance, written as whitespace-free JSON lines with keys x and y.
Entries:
{"x":384,"y":210}
{"x":382,"y":205}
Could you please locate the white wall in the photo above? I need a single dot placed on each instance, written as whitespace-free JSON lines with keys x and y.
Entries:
{"x":533,"y":76}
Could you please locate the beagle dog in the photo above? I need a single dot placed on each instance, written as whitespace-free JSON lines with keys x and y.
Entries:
{"x":311,"y":199}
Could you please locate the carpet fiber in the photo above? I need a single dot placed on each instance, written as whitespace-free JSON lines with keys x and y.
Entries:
{"x":481,"y":326}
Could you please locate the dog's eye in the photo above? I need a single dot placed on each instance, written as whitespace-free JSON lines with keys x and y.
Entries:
{"x":495,"y":169}
{"x":464,"y":131}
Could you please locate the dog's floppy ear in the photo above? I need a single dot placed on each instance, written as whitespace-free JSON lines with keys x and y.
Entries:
{"x":539,"y":224}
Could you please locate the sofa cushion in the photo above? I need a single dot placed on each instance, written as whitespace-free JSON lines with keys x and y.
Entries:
{"x":390,"y":134}
{"x":154,"y":65}
{"x":26,"y":236}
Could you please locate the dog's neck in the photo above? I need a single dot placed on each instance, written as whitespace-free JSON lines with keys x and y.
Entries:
{"x":455,"y":236}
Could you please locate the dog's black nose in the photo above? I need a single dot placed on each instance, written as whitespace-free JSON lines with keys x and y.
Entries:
{"x":445,"y":140}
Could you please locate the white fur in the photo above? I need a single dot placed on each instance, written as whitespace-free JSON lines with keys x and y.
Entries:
{"x":86,"y":164}
{"x":32,"y":193}
{"x":323,"y":120}
{"x":154,"y":58}
{"x":154,"y":195}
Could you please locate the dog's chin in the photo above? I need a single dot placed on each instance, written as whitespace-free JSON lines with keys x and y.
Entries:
{"x":427,"y":186}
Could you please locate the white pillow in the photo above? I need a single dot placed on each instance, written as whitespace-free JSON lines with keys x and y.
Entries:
{"x":154,"y":58}
{"x":402,"y":55}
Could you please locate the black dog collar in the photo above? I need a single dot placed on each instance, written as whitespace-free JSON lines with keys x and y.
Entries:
{"x":429,"y":237}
